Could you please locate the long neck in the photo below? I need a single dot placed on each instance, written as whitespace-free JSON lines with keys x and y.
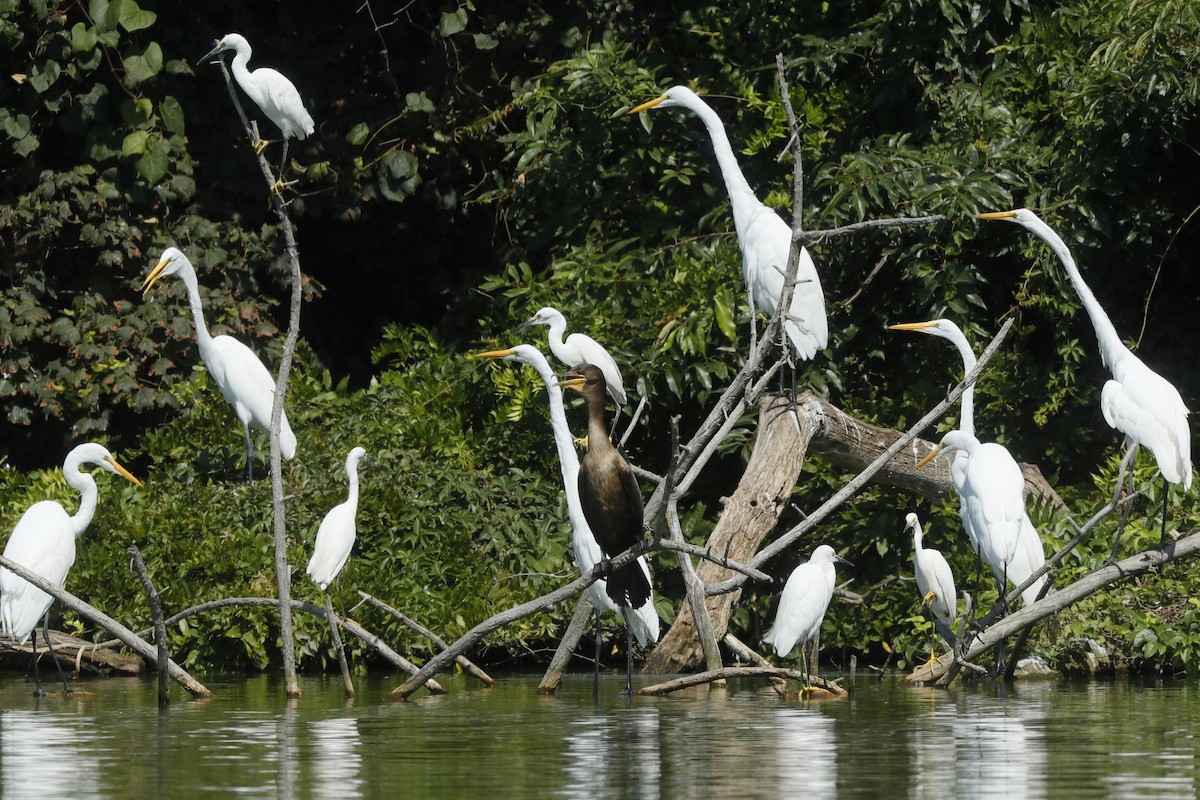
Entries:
{"x":1112,"y":349}
{"x":918,"y":536}
{"x":241,"y":74}
{"x":597,"y":429}
{"x":741,"y":196}
{"x":86,"y":486}
{"x":558,"y":326}
{"x":966,"y":422}
{"x":352,"y":476}
{"x":193,"y":292}
{"x":568,"y":459}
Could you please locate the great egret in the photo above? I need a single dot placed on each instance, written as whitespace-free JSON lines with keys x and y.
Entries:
{"x":44,"y":542}
{"x":992,"y":495}
{"x":335,"y":537}
{"x":579,"y":349}
{"x":935,"y":581}
{"x":1138,"y":401}
{"x":611,"y":500}
{"x":802,"y":605}
{"x":270,"y":90}
{"x":765,"y":239}
{"x":587,"y":551}
{"x":1030,"y":555}
{"x":243,"y":380}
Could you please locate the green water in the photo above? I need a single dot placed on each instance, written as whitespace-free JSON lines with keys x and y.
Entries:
{"x":1045,"y":738}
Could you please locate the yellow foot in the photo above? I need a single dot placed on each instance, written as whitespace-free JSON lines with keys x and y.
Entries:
{"x":933,"y":659}
{"x":581,"y":442}
{"x":259,"y":146}
{"x":277,"y":189}
{"x":929,"y":597}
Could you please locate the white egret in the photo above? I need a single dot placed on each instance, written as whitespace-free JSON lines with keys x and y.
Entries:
{"x":44,"y":542}
{"x":611,"y":501}
{"x":644,"y":620}
{"x":764,"y":238}
{"x":802,"y":605}
{"x":1138,"y":401}
{"x":1030,"y":555}
{"x":335,"y":537}
{"x":579,"y":349}
{"x":992,"y":497}
{"x":270,"y":90}
{"x":243,"y":380}
{"x":935,"y":581}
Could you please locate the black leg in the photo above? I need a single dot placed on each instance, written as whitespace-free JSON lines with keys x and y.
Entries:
{"x":38,"y":691}
{"x":1162,"y":539}
{"x":596,"y":666}
{"x":283,"y":161}
{"x":249,"y":455}
{"x":53,"y":656}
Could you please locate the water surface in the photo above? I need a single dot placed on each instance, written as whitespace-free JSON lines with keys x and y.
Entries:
{"x":1040,"y":738}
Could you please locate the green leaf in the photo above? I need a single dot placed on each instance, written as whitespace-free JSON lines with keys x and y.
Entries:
{"x":152,"y":166}
{"x":418,"y":101}
{"x":172,"y":114}
{"x":43,"y":76}
{"x":358,"y":134}
{"x":723,"y":308}
{"x":17,"y":127}
{"x":27,"y":145}
{"x":484,"y":41}
{"x":143,"y":63}
{"x":135,"y":143}
{"x":83,"y":38}
{"x":134,"y":18}
{"x":453,"y":22}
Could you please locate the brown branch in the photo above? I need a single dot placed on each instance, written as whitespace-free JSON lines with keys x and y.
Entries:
{"x":420,"y":629}
{"x":725,"y":673}
{"x":160,"y":627}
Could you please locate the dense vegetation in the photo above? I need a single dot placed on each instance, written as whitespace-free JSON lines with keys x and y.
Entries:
{"x":472,"y":164}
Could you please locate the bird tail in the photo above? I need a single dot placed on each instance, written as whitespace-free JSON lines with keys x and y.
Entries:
{"x":287,"y":439}
{"x":629,"y":587}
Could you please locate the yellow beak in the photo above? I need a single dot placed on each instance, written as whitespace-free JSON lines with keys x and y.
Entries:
{"x":928,"y":458}
{"x":573,"y":381}
{"x":154,"y":275}
{"x":493,"y":354}
{"x":996,"y":215}
{"x":648,"y":104}
{"x":911,"y":326}
{"x":124,"y":473}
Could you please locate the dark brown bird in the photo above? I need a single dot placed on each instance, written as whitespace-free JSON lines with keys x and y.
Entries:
{"x":608,"y":492}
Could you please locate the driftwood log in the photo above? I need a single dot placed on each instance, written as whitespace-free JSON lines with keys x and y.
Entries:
{"x":752,"y":512}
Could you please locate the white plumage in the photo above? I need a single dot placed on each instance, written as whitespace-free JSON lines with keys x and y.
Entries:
{"x":1030,"y":554}
{"x":764,"y":238}
{"x":335,"y":537}
{"x":935,"y":580}
{"x":643,"y":622}
{"x":243,"y":380}
{"x":1138,"y":402}
{"x":805,"y":598}
{"x":578,"y":349}
{"x":270,"y":90}
{"x":44,"y":542}
{"x":992,"y":500}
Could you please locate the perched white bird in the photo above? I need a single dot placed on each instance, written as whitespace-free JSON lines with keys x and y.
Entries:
{"x":1030,"y":555}
{"x":44,"y":542}
{"x":992,"y":498}
{"x":335,"y":537}
{"x":579,"y":349}
{"x":643,"y":622}
{"x":243,"y":380}
{"x":803,"y":603}
{"x":765,"y":239}
{"x":1138,"y":401}
{"x":934,"y":578}
{"x":270,"y":91}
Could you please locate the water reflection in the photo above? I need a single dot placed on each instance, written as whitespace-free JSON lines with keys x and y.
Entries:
{"x":41,"y":749}
{"x":805,"y":763}
{"x":618,"y":749}
{"x":335,"y":754}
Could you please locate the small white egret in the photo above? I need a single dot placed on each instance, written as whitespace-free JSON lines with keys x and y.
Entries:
{"x":579,"y":349}
{"x":643,"y":621}
{"x":44,"y":542}
{"x":611,"y":500}
{"x":992,"y":497}
{"x":1138,"y":401}
{"x":764,"y":238}
{"x":802,"y":605}
{"x":243,"y":380}
{"x":270,"y":90}
{"x":335,"y":537}
{"x":935,"y":581}
{"x":1030,"y":555}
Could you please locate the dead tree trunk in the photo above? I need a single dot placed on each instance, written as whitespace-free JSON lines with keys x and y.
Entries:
{"x":752,"y":512}
{"x":750,"y":515}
